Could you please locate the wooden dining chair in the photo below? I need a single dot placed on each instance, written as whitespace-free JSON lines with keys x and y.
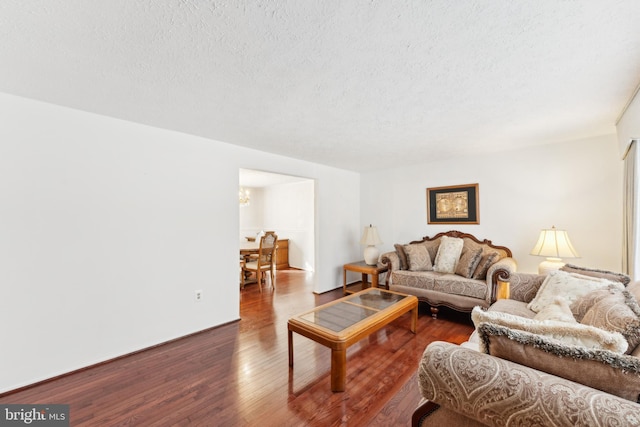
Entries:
{"x":265,"y":262}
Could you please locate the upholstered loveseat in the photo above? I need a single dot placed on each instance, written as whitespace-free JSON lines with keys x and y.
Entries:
{"x":577,"y":364}
{"x":451,"y":269}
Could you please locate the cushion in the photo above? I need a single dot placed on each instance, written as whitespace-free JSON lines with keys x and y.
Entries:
{"x":514,"y":307}
{"x":468,"y":262}
{"x":610,"y":372}
{"x":568,"y":285}
{"x":602,"y":274}
{"x":418,"y":258}
{"x":558,"y":310}
{"x":569,"y":333}
{"x":618,"y":311}
{"x":448,"y":254}
{"x":487,"y":260}
{"x":432,"y":246}
{"x":402,"y":256}
{"x":582,"y":304}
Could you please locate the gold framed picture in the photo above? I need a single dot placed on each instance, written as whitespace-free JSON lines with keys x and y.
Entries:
{"x":455,"y":204}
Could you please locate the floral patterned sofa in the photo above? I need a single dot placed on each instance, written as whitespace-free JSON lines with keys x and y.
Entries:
{"x":451,"y":269}
{"x":576,"y":362}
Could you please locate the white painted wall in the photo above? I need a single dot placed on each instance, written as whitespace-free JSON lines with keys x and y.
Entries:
{"x":108,"y":227}
{"x":252,"y":216}
{"x":289,"y":209}
{"x":576,"y":186}
{"x":628,"y":127}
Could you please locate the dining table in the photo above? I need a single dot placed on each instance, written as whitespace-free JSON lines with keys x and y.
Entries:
{"x":248,"y":248}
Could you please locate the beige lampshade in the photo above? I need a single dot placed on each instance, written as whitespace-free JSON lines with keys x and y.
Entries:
{"x":371,"y":238}
{"x":555,"y":245}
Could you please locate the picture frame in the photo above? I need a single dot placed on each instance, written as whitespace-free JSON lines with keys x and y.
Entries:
{"x":454,"y":204}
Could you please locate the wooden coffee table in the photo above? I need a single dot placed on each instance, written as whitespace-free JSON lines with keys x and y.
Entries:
{"x":342,"y":322}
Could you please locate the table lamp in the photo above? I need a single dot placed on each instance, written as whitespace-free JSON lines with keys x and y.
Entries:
{"x":555,"y":245}
{"x":371,"y":239}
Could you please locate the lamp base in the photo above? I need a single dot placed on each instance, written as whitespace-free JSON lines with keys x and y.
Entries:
{"x":549,"y":265}
{"x":371,"y":254}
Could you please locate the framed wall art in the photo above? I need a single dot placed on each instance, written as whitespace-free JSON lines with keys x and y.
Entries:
{"x":456,"y":204}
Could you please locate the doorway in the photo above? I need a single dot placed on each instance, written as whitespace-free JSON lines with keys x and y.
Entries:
{"x":283,"y":203}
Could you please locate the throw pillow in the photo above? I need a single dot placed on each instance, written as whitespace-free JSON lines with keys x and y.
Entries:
{"x":488,"y":259}
{"x":584,"y":303}
{"x":418,"y":258}
{"x":558,"y":310}
{"x":468,"y":262}
{"x":568,"y":285}
{"x":602,"y":274}
{"x":617,"y":312}
{"x":432,"y":246}
{"x":568,"y":333}
{"x":612,"y":373}
{"x":448,"y":254}
{"x":402,"y":256}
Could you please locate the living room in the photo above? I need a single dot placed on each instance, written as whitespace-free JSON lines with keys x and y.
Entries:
{"x":110,"y":224}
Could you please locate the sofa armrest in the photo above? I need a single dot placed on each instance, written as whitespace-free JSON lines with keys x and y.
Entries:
{"x":501,"y":270}
{"x":498,"y":392}
{"x":391,"y":260}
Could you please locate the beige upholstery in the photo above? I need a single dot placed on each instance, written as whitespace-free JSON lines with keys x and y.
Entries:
{"x":528,"y":379}
{"x":264,"y":262}
{"x":471,"y":283}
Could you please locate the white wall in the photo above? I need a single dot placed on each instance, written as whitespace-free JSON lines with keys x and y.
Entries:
{"x":628,"y":127}
{"x":108,"y":227}
{"x":290,"y":212}
{"x":252,"y":216}
{"x":576,"y":186}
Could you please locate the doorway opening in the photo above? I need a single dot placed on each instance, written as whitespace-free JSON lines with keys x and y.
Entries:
{"x":284,"y":204}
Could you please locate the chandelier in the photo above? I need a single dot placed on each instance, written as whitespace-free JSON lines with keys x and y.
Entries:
{"x":243,"y":196}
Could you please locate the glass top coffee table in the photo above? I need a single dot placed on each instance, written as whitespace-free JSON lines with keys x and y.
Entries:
{"x":342,"y":322}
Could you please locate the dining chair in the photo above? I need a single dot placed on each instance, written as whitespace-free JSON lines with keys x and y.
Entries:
{"x":265,"y":262}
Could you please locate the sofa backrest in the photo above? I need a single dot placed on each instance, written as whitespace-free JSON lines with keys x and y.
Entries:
{"x":469,"y":241}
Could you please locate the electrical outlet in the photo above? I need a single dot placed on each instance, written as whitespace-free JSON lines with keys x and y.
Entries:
{"x":198,"y":295}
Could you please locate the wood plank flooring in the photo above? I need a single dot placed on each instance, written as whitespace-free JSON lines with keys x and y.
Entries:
{"x":238,"y":374}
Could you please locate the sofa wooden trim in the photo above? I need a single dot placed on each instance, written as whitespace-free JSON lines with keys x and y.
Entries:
{"x":499,"y":274}
{"x":460,"y":235}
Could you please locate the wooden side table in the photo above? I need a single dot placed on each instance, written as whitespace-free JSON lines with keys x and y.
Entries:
{"x":365,"y":269}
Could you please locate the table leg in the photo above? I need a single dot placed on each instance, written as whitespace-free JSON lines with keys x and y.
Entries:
{"x":414,"y":319}
{"x":374,"y":280}
{"x":338,"y":369}
{"x":290,"y":333}
{"x":344,"y":281}
{"x":365,"y":281}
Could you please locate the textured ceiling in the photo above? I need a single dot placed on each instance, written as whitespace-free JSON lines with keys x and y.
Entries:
{"x":353,"y":84}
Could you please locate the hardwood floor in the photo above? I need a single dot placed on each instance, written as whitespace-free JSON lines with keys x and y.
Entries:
{"x":238,"y":374}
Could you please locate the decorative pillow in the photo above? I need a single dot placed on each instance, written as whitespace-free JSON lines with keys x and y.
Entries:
{"x":583,"y":304}
{"x":567,"y":333}
{"x":486,"y":261}
{"x":402,"y":256}
{"x":616,"y":312}
{"x":448,"y":254}
{"x":568,"y":285}
{"x":418,"y":258}
{"x":601,"y":274}
{"x":558,"y":310}
{"x":432,"y":246}
{"x":613,"y":373}
{"x":468,"y":262}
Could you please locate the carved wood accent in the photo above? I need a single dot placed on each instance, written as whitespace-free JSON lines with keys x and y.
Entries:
{"x":460,"y":234}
